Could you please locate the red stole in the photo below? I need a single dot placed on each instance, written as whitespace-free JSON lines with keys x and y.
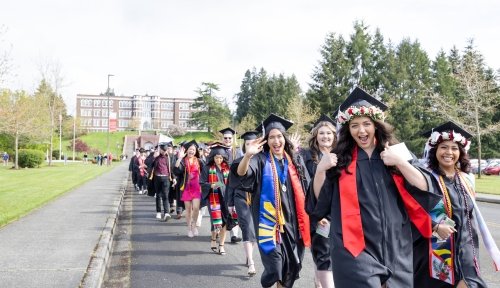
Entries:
{"x":352,"y":228}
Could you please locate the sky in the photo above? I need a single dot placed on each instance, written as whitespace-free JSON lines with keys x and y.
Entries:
{"x":168,"y":48}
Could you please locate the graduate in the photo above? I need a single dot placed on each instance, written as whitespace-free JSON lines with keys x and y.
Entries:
{"x":240,"y":202}
{"x":368,"y":197}
{"x":270,"y":173}
{"x":321,"y":143}
{"x":450,"y":258}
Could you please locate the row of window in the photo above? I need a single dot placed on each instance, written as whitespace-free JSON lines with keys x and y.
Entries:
{"x":95,"y":103}
{"x":139,"y":104}
{"x":126,"y":123}
{"x":94,"y":122}
{"x":130,"y":114}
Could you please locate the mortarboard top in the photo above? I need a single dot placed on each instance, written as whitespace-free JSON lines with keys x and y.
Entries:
{"x":227,"y":130}
{"x":274,"y":122}
{"x":249,"y":135}
{"x":164,"y":145}
{"x":142,"y":150}
{"x":218,"y":149}
{"x":324,"y":118}
{"x":189,"y":144}
{"x":358,"y":98}
{"x":448,"y":126}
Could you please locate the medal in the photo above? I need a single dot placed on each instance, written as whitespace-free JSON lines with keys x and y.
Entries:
{"x":283,"y":187}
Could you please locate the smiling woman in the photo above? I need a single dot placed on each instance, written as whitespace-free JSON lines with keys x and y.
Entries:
{"x":22,"y":190}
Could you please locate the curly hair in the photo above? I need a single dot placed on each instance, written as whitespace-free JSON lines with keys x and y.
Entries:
{"x":313,"y":142}
{"x":463,"y":160}
{"x":384,"y":133}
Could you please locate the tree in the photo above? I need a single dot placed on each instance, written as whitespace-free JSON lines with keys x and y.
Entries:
{"x":245,"y":96}
{"x":302,"y":116}
{"x":80,"y":145}
{"x":212,"y":111}
{"x":477,"y":103}
{"x":19,"y":114}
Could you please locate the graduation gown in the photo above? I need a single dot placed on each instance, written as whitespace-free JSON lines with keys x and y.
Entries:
{"x":285,"y":261}
{"x":463,"y":243}
{"x":387,"y":256}
{"x":320,"y":246}
{"x":206,"y":189}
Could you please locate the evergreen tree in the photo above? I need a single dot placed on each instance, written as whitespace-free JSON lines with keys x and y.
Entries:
{"x":213,"y":112}
{"x":245,"y":96}
{"x":360,"y":55}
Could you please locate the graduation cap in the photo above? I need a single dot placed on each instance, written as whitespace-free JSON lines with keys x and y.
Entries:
{"x":218,"y":149}
{"x":274,"y":122}
{"x":249,"y":135}
{"x":359,"y":99}
{"x":186,"y":145}
{"x":164,"y":145}
{"x":324,"y":118}
{"x":227,"y":130}
{"x":142,"y":150}
{"x":447,"y":127}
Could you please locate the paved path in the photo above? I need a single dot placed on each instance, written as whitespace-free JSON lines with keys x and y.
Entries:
{"x":51,"y":246}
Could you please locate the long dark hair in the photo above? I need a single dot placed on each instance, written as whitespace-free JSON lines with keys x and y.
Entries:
{"x":384,"y":133}
{"x":463,"y":160}
{"x":288,"y":145}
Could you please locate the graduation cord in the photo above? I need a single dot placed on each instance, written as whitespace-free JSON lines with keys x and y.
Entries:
{"x":446,"y":197}
{"x":463,"y":191}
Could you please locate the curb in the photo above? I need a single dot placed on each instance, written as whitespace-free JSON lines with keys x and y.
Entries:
{"x":94,"y":275}
{"x":488,"y":199}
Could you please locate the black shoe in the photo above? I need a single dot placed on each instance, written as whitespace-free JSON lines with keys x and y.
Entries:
{"x":235,"y":239}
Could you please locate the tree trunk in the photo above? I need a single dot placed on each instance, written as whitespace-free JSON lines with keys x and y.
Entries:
{"x":478,"y":143}
{"x":16,"y":164}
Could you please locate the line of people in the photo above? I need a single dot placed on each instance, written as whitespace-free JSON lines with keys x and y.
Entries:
{"x":371,"y":213}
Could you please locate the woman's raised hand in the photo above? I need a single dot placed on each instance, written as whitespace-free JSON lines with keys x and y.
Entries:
{"x":255,"y":146}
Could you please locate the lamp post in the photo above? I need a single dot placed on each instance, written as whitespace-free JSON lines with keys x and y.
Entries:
{"x":60,"y":136}
{"x":107,"y":93}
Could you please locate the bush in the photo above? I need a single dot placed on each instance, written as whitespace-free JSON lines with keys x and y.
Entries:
{"x":55,"y":154}
{"x":30,"y":158}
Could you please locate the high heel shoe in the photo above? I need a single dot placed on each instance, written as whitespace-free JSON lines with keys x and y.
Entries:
{"x":251,"y":269}
{"x":222,"y":251}
{"x":213,"y":245}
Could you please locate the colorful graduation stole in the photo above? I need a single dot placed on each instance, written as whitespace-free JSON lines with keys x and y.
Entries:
{"x":352,"y":228}
{"x":271,"y":219}
{"x":442,"y":252}
{"x":215,"y":194}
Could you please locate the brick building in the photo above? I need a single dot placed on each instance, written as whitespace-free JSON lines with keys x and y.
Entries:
{"x":137,"y":112}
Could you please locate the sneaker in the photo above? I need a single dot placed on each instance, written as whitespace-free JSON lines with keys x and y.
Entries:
{"x":158,"y":215}
{"x":195,"y":231}
{"x":166,"y":217}
{"x":190,"y":233}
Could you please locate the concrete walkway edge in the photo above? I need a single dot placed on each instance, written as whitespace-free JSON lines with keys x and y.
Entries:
{"x":96,"y":269}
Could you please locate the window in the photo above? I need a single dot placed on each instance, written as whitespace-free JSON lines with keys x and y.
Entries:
{"x":86,"y":122}
{"x":104,"y":113}
{"x":97,"y":113}
{"x":156,"y":114}
{"x":184,"y":115}
{"x":167,"y":115}
{"x":124,"y":113}
{"x":96,"y":122}
{"x":105,"y":103}
{"x":123,"y":123}
{"x":97,"y":103}
{"x":104,"y":122}
{"x":86,"y":103}
{"x":166,"y":124}
{"x":86,"y":112}
{"x":167,"y":106}
{"x":183,"y":124}
{"x":184,"y":106}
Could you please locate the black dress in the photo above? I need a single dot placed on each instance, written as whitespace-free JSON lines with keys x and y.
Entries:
{"x":285,"y":261}
{"x":387,"y":256}
{"x":320,"y":245}
{"x":464,"y":244}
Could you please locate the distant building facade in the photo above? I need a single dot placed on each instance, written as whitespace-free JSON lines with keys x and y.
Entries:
{"x":137,"y":112}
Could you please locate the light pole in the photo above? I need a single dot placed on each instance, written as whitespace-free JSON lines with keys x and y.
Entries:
{"x":60,"y":136}
{"x":107,"y":93}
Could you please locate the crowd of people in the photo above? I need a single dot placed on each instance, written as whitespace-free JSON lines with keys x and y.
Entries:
{"x":371,"y":214}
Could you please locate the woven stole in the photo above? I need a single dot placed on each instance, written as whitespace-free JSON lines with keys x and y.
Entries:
{"x":352,"y":228}
{"x":271,"y":220}
{"x":441,"y":252}
{"x":215,"y":194}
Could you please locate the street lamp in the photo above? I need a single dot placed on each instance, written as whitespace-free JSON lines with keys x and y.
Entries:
{"x":107,"y":93}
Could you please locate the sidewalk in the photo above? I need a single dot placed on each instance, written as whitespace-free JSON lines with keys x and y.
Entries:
{"x":490,"y":198}
{"x":51,"y":247}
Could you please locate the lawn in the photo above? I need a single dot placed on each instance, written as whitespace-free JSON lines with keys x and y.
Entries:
{"x":488,"y":184}
{"x":26,"y":189}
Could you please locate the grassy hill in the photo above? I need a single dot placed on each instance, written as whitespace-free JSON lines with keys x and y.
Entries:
{"x":98,"y":141}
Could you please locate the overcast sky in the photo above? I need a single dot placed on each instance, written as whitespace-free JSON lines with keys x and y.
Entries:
{"x":168,"y":48}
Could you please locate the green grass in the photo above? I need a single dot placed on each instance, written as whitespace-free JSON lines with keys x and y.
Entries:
{"x":26,"y":189}
{"x":488,"y":184}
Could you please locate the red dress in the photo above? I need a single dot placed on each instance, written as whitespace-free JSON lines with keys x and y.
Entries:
{"x":192,"y":188}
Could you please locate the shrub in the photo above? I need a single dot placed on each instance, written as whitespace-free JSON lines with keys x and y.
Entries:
{"x":30,"y":158}
{"x":176,"y":130}
{"x":55,"y":154}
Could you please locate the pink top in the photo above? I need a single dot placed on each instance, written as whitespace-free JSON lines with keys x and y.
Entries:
{"x":192,"y":187}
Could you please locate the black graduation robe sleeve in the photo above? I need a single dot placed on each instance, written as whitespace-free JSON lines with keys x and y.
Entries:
{"x":323,"y":205}
{"x":205,"y":186}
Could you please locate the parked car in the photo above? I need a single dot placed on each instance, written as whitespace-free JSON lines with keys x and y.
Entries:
{"x":492,"y":169}
{"x":474,"y":163}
